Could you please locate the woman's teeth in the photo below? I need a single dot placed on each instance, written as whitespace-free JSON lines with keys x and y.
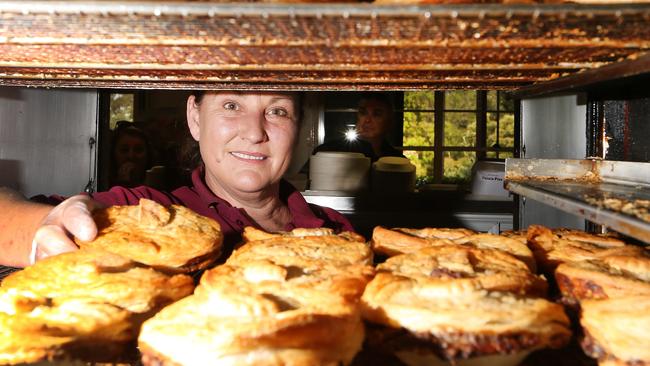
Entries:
{"x":246,"y":156}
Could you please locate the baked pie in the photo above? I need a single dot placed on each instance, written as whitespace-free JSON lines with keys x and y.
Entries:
{"x":423,"y":323}
{"x":607,"y":277}
{"x":553,"y":247}
{"x":400,"y":240}
{"x":35,"y":328}
{"x":333,"y":250}
{"x":253,"y":234}
{"x":103,"y":277}
{"x":87,"y":304}
{"x":260,"y":323}
{"x":280,"y":299}
{"x":405,"y":240}
{"x":617,"y":331}
{"x":172,"y":239}
{"x":454,"y":265}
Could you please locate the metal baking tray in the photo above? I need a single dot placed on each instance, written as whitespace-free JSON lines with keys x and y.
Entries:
{"x":615,"y":194}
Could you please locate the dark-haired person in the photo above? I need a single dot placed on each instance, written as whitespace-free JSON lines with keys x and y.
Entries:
{"x":131,"y":155}
{"x":374,"y":122}
{"x":245,"y":141}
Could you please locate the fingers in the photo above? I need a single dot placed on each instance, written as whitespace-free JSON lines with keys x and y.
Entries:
{"x":50,"y":240}
{"x":71,"y":218}
{"x":78,"y":221}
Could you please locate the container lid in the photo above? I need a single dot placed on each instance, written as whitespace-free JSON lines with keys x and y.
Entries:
{"x":339,"y":163}
{"x":339,"y":155}
{"x":394,"y":164}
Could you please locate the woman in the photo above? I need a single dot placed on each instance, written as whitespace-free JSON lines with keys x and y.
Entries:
{"x":245,"y":141}
{"x":131,"y":155}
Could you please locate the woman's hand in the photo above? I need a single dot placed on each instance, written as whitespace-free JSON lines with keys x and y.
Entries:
{"x":71,"y":218}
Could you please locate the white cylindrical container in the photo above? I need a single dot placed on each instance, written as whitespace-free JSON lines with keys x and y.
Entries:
{"x":392,"y":174}
{"x":338,"y":171}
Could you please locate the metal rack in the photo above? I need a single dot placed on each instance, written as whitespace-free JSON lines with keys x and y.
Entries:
{"x":351,"y":46}
{"x":611,"y":193}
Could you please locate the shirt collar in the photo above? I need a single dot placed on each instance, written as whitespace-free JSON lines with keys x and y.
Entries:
{"x":302,"y":214}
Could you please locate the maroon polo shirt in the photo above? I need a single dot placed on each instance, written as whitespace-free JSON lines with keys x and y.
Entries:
{"x":201,"y":200}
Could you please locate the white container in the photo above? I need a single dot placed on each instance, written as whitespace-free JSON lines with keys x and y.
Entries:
{"x":392,"y":174}
{"x":487,"y":180}
{"x":338,"y":171}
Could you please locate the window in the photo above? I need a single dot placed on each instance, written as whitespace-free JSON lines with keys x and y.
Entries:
{"x":121,"y":108}
{"x":445,"y":133}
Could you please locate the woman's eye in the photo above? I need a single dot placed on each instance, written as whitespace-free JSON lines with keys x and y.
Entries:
{"x":231,"y":106}
{"x":281,"y":112}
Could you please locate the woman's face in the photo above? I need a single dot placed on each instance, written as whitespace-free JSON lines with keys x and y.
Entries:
{"x":373,"y":119}
{"x":246,"y":138}
{"x":131,"y":149}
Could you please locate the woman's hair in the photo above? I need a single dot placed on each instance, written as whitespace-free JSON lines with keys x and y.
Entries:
{"x":126,"y":128}
{"x":190,"y":151}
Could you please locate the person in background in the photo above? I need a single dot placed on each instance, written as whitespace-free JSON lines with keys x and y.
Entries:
{"x":243,"y":142}
{"x":131,"y":155}
{"x":374,"y":122}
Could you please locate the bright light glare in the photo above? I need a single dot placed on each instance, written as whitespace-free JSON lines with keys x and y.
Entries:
{"x":351,"y":134}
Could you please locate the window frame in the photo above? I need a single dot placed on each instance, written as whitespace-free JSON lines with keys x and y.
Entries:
{"x":480,"y":145}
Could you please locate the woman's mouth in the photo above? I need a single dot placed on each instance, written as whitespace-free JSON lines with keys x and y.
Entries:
{"x":247,"y":156}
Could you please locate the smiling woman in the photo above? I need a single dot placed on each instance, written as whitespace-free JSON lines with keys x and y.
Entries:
{"x":245,"y":142}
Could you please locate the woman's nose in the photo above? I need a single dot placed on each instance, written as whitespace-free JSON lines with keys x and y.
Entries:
{"x":251,"y":128}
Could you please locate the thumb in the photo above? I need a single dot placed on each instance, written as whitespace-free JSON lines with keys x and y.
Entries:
{"x":78,"y":221}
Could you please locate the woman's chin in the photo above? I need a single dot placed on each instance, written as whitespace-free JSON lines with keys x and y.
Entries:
{"x":251,"y":183}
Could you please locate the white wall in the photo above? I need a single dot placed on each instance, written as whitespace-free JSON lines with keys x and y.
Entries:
{"x":552,"y":128}
{"x":44,"y":136}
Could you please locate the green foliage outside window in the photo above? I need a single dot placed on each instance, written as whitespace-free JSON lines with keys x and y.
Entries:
{"x":121,"y":108}
{"x":459,"y":131}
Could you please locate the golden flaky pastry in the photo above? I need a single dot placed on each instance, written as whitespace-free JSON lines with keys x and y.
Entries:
{"x":617,"y":331}
{"x":102,"y":277}
{"x":455,"y":265}
{"x":37,"y":328}
{"x":253,"y":234}
{"x":83,"y":305}
{"x":399,"y":241}
{"x":608,"y":277}
{"x":458,"y":322}
{"x":348,"y":282}
{"x":309,"y":251}
{"x":553,"y":247}
{"x":172,"y":239}
{"x":404,"y":240}
{"x":282,"y":300}
{"x":258,"y":319}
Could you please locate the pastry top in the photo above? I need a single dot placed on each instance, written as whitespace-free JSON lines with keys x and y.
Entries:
{"x":438,"y":233}
{"x":398,"y":241}
{"x":173,"y":239}
{"x":608,"y":277}
{"x":620,"y":327}
{"x":248,"y":321}
{"x":348,"y":282}
{"x":308,"y":251}
{"x":402,"y":240}
{"x":451,"y":265}
{"x":511,"y":246}
{"x":35,"y":328}
{"x":400,"y":302}
{"x":554,"y":247}
{"x":283,"y":298}
{"x":253,"y":234}
{"x":100,"y":276}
